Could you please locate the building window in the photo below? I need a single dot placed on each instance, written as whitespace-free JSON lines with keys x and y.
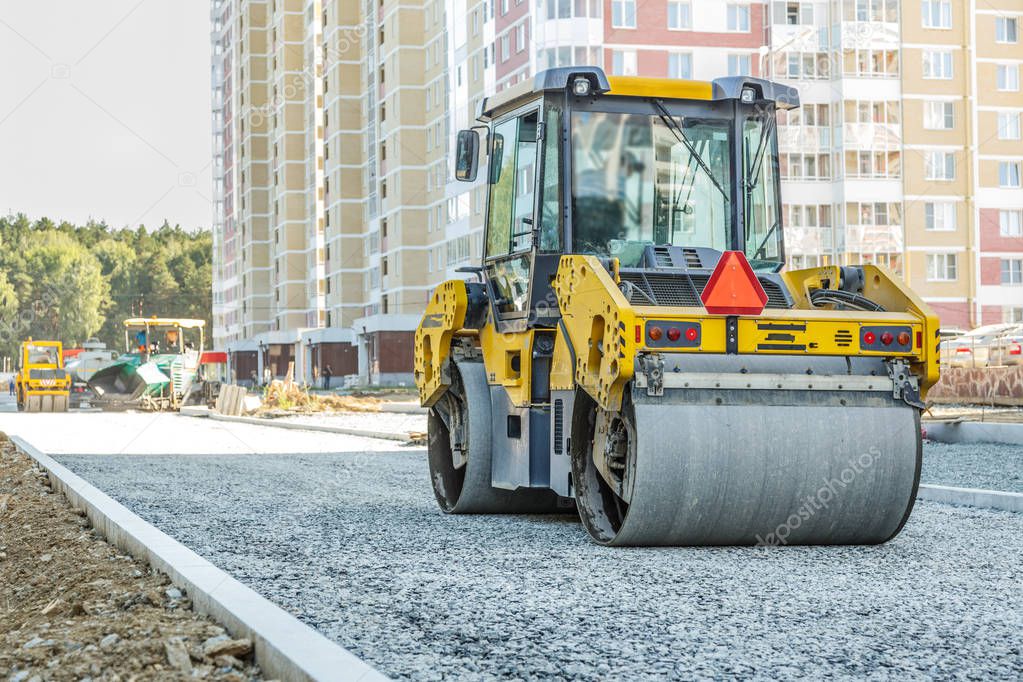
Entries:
{"x":1012,"y":271}
{"x":937,"y":64}
{"x":807,"y":65}
{"x":805,"y":166}
{"x":940,"y":166}
{"x":739,"y":65}
{"x":680,"y":65}
{"x":871,"y":63}
{"x":623,"y":62}
{"x":505,"y":47}
{"x":1008,"y":125}
{"x":680,"y":15}
{"x":520,"y":38}
{"x":1010,"y":223}
{"x":1008,"y":77}
{"x":738,"y":17}
{"x":1008,"y":174}
{"x":1006,"y":29}
{"x":1012,"y":315}
{"x":794,"y":13}
{"x":939,"y":115}
{"x":872,"y":10}
{"x":940,"y":216}
{"x":941,"y":267}
{"x":937,"y":13}
{"x":623,"y":13}
{"x":877,"y":163}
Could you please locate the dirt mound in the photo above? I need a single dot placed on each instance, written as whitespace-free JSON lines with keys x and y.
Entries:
{"x":73,"y":607}
{"x":286,"y":396}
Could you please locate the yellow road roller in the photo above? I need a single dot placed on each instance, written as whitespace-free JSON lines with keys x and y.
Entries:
{"x":633,"y":345}
{"x":42,"y":383}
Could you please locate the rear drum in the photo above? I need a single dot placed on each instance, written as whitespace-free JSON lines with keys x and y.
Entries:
{"x":459,"y":449}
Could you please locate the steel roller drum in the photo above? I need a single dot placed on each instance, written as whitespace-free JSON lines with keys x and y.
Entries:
{"x":710,"y":474}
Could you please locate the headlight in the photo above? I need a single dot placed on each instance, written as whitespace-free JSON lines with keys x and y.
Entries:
{"x":581,"y":86}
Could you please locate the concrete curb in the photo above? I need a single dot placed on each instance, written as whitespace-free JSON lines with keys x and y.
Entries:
{"x":285,"y":648}
{"x":278,"y":424}
{"x":403,"y":408}
{"x":972,"y":497}
{"x":974,"y":432}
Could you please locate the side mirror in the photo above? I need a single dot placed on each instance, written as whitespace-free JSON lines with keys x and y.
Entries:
{"x":467,"y":155}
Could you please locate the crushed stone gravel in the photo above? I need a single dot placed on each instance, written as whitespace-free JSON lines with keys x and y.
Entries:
{"x":974,"y":465}
{"x":352,"y":542}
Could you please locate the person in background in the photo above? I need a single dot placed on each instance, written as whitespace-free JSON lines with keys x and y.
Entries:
{"x":10,"y":386}
{"x":327,"y":374}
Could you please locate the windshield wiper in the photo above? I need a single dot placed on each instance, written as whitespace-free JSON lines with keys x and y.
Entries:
{"x":680,"y":135}
{"x":753,"y":179}
{"x":761,"y":250}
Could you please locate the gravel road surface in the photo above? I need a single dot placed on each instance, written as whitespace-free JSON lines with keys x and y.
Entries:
{"x":351,"y":541}
{"x":974,"y":465}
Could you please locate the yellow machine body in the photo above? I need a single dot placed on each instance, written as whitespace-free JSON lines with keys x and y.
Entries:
{"x":580,"y":365}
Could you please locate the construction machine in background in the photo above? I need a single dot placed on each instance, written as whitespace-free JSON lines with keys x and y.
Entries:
{"x":82,"y":363}
{"x":633,"y":343}
{"x":42,"y":384}
{"x":158,"y":368}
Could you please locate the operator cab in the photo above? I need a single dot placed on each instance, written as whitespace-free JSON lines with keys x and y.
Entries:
{"x":659,"y":174}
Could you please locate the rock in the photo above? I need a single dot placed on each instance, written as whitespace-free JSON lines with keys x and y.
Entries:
{"x":20,"y":676}
{"x":37,"y":642}
{"x":77,"y":609}
{"x":136,"y":573}
{"x":154,"y":597}
{"x":46,"y":558}
{"x":227,"y":647}
{"x":49,"y":608}
{"x":233,"y":676}
{"x":109,"y":641}
{"x":215,"y":639}
{"x":225,"y":661}
{"x":177,"y":655}
{"x":173,"y":593}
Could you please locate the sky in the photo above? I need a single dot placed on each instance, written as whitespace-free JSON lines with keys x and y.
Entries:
{"x":105,"y":111}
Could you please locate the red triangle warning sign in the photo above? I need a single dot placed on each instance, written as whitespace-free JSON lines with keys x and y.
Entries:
{"x":733,"y":288}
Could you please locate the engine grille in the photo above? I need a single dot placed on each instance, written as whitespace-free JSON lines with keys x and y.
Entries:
{"x":669,"y":289}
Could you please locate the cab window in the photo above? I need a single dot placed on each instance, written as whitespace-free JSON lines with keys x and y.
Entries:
{"x":510,"y":221}
{"x":512,"y":172}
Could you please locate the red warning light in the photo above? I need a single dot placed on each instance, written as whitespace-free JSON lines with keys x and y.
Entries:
{"x":733,"y":288}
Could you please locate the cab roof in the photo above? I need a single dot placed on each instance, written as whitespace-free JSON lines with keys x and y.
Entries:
{"x":561,"y":78}
{"x":164,"y":322}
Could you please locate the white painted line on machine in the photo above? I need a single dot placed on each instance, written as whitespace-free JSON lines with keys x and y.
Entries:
{"x":285,"y":647}
{"x":972,"y":497}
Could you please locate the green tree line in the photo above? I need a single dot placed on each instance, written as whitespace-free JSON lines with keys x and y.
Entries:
{"x":73,"y":282}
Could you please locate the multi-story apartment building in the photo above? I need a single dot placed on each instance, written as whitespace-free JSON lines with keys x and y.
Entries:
{"x":336,"y":213}
{"x":906,"y":150}
{"x":961,"y":92}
